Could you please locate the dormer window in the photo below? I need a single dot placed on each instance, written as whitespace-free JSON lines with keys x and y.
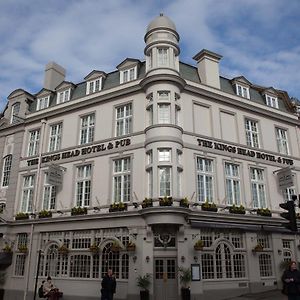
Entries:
{"x":63,"y":96}
{"x":42,"y":103}
{"x":15,"y":109}
{"x":94,"y":86}
{"x":128,"y":75}
{"x":242,"y":91}
{"x":271,"y":101}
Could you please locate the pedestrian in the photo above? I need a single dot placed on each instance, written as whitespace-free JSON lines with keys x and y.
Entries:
{"x":50,"y":291}
{"x":291,"y":282}
{"x":108,"y":285}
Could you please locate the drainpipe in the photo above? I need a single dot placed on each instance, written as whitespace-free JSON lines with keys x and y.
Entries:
{"x":35,"y":203}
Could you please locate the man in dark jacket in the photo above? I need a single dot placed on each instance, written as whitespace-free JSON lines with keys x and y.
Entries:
{"x":108,"y":286}
{"x":291,"y":282}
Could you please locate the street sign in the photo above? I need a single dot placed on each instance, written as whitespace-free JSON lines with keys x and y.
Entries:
{"x":285,"y":178}
{"x":55,"y":175}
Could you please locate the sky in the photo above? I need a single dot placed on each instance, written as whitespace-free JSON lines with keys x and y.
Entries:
{"x":259,"y":39}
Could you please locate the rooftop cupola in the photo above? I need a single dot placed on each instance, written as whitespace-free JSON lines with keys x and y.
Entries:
{"x":162,"y":50}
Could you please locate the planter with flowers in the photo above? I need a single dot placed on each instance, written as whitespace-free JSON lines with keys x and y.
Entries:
{"x":209,"y":206}
{"x":45,"y":214}
{"x":258,"y":248}
{"x":184,"y":202}
{"x":131,"y":246}
{"x":7,"y":249}
{"x":265,"y":212}
{"x":63,"y":250}
{"x":147,"y":202}
{"x":22,"y":216}
{"x":118,"y":206}
{"x":166,"y":201}
{"x":78,"y":210}
{"x":23,"y":248}
{"x":199,"y":245}
{"x":94,"y":248}
{"x":240,"y":210}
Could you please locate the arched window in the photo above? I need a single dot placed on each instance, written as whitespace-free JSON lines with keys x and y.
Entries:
{"x":110,"y":260}
{"x":52,"y":261}
{"x":15,"y":109}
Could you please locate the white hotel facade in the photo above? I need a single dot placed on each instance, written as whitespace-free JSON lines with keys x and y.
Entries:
{"x":152,"y":129}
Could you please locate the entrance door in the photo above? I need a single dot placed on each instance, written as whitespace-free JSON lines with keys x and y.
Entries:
{"x":165,"y":279}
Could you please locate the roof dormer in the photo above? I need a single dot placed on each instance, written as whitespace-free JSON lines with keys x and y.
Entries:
{"x":241,"y":86}
{"x":64,"y":91}
{"x":43,"y":99}
{"x":271,"y":97}
{"x":128,"y":69}
{"x":94,"y":81}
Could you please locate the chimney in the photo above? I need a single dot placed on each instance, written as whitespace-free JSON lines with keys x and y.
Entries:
{"x":208,"y":67}
{"x":54,"y":75}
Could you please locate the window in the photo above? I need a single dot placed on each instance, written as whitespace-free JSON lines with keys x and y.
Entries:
{"x":265,"y":265}
{"x":162,"y":54}
{"x":87,"y":129}
{"x":42,"y":103}
{"x":34,"y":142}
{"x":15,"y":109}
{"x":233,"y":190}
{"x":164,"y":113}
{"x":49,"y":195}
{"x":252,"y":133}
{"x":164,"y":181}
{"x":258,"y":188}
{"x":20,"y":264}
{"x":123,"y":119}
{"x":288,"y":193}
{"x":80,"y":266}
{"x":282,"y":141}
{"x":7,"y":161}
{"x":272,"y":101}
{"x":164,"y":155}
{"x":22,"y":240}
{"x":164,"y":95}
{"x":204,"y":179}
{"x":27,"y":193}
{"x":242,"y":91}
{"x":63,"y":96}
{"x":83,"y":185}
{"x":94,"y":86}
{"x":128,"y":75}
{"x":55,"y":137}
{"x":149,"y":157}
{"x":150,"y":182}
{"x":121,"y":180}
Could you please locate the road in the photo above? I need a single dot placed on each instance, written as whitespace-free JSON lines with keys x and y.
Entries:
{"x":270,"y":295}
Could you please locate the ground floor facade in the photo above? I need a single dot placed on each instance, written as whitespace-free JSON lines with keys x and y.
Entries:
{"x":76,"y":252}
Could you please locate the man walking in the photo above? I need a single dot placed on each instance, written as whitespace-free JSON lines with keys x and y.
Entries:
{"x":108,"y":286}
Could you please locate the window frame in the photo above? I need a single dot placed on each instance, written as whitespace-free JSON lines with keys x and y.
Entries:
{"x":123,"y":123}
{"x":51,"y":192}
{"x":282,"y":140}
{"x":271,"y":101}
{"x":242,"y":91}
{"x":165,"y":187}
{"x":163,"y":58}
{"x":164,"y":113}
{"x":208,"y":195}
{"x":252,"y":136}
{"x":33,"y":142}
{"x":55,"y":138}
{"x":6,"y":170}
{"x":63,"y":96}
{"x":84,"y":185}
{"x":87,"y":132}
{"x":129,"y":74}
{"x":42,"y":103}
{"x":260,"y":186}
{"x":27,"y":193}
{"x":14,"y":113}
{"x":93,"y":87}
{"x":234,"y":180}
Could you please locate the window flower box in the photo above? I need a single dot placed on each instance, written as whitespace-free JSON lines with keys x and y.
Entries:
{"x":166,"y":201}
{"x":63,"y":249}
{"x":22,"y":216}
{"x":130,"y":246}
{"x":94,"y":248}
{"x":118,"y":206}
{"x":147,"y":202}
{"x":7,"y":249}
{"x":265,"y":212}
{"x":184,"y":202}
{"x":45,"y":214}
{"x":75,"y":211}
{"x":199,"y":245}
{"x":258,"y":248}
{"x":240,"y":210}
{"x":209,"y":206}
{"x":23,"y":248}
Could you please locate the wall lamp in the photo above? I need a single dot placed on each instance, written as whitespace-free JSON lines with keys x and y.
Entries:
{"x":195,"y":258}
{"x":147,"y":258}
{"x":134,"y":258}
{"x":279,"y":251}
{"x":182,"y":259}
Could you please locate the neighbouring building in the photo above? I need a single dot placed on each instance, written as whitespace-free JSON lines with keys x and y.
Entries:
{"x":152,"y":167}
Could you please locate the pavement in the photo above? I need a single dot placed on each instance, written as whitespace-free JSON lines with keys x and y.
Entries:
{"x":270,"y":295}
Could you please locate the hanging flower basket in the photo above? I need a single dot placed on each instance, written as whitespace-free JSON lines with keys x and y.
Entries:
{"x":209,"y":206}
{"x":22,"y":216}
{"x":184,"y":202}
{"x":199,"y":245}
{"x":166,"y":201}
{"x":147,"y":202}
{"x":115,"y":247}
{"x":118,"y":206}
{"x":7,"y":249}
{"x":240,"y":210}
{"x":265,"y":212}
{"x":75,"y":211}
{"x":130,"y":246}
{"x":94,"y":249}
{"x":258,"y":248}
{"x":64,"y":250}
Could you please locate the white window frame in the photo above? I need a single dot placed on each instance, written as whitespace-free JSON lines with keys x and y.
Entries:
{"x":164,"y":113}
{"x":121,"y":179}
{"x":83,"y":185}
{"x":34,"y":142}
{"x":123,"y":116}
{"x":232,"y":183}
{"x":163,"y":57}
{"x":129,"y":74}
{"x":93,"y":86}
{"x":252,"y":133}
{"x":27,"y":193}
{"x":265,"y":265}
{"x":87,"y":129}
{"x":205,"y":179}
{"x":258,"y":187}
{"x":164,"y":154}
{"x":7,"y":162}
{"x":55,"y":137}
{"x":271,"y":101}
{"x":19,"y":269}
{"x":150,"y":182}
{"x":165,"y":181}
{"x":42,"y":103}
{"x":242,"y":91}
{"x":282,"y":140}
{"x":288,"y":193}
{"x":15,"y":110}
{"x":49,"y":195}
{"x":63,"y":96}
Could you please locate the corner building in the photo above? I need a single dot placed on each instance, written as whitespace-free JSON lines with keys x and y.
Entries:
{"x":160,"y":155}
